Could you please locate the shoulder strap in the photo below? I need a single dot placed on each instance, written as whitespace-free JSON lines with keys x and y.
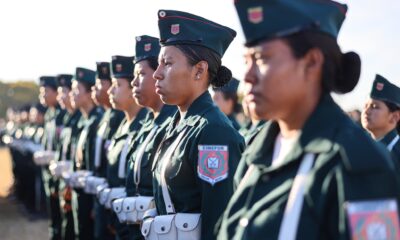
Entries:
{"x":139,"y":156}
{"x":123,"y":155}
{"x":392,"y":143}
{"x":291,"y":216}
{"x":165,"y":160}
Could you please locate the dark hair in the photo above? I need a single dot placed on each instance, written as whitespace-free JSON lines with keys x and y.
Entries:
{"x":218,"y":75}
{"x":153,"y":62}
{"x":340,"y":72}
{"x":234,"y":97}
{"x":392,"y":107}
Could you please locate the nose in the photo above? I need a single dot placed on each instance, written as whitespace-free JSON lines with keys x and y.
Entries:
{"x":157,"y":75}
{"x":250,"y":73}
{"x":134,"y":82}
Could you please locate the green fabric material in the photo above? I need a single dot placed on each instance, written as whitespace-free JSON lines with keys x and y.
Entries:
{"x":85,"y":75}
{"x":64,"y":80}
{"x":146,"y":47}
{"x":48,"y":81}
{"x":122,"y":67}
{"x":103,"y":71}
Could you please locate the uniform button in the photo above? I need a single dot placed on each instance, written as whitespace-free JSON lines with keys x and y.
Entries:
{"x":265,"y":178}
{"x":244,"y":222}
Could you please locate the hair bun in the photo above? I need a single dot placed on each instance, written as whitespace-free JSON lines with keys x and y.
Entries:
{"x":224,"y":75}
{"x":351,"y":65}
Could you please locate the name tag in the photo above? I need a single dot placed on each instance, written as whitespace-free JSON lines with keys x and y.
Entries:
{"x":376,"y":219}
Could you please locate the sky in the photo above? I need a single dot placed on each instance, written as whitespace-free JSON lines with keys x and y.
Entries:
{"x":49,"y":37}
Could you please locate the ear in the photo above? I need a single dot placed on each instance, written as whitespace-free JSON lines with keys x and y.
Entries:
{"x":395,"y":117}
{"x":200,"y":70}
{"x":313,"y":61}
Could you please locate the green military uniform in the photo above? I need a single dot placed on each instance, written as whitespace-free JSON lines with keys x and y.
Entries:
{"x":82,"y":203}
{"x":53,"y":125}
{"x":231,"y":88}
{"x":145,"y":186}
{"x":208,"y":133}
{"x":65,"y":152}
{"x":329,"y":185}
{"x":250,"y":131}
{"x":199,"y":174}
{"x":107,"y":127}
{"x":384,"y":90}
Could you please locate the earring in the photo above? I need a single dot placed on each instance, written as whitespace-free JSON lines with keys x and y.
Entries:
{"x":197,"y":77}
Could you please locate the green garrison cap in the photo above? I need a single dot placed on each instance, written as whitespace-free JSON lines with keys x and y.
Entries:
{"x":266,"y":19}
{"x":85,"y":75}
{"x":122,"y":67}
{"x":184,"y":28}
{"x":103,"y":71}
{"x":64,"y":80}
{"x":384,"y":90}
{"x":146,"y":47}
{"x":48,"y":81}
{"x":231,"y":87}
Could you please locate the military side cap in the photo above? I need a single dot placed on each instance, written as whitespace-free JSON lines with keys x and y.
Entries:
{"x":48,"y":81}
{"x":85,"y":75}
{"x":184,"y":28}
{"x":64,"y":80}
{"x":146,"y":47}
{"x":122,"y":66}
{"x":384,"y":90}
{"x":103,"y":71}
{"x":231,"y":87}
{"x":267,"y":19}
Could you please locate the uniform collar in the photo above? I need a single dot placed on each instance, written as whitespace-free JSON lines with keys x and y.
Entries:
{"x":166,"y":111}
{"x":197,"y":109}
{"x":316,"y":136}
{"x":388,"y":138}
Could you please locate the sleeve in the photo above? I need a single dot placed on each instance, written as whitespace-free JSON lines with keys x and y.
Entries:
{"x":219,"y":150}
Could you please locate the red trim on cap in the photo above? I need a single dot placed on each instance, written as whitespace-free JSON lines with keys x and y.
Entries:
{"x":199,"y":21}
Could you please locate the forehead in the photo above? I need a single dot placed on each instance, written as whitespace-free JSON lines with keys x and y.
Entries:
{"x":170,"y":52}
{"x":277,"y":45}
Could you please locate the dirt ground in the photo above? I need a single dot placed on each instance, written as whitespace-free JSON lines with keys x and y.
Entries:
{"x":14,"y":224}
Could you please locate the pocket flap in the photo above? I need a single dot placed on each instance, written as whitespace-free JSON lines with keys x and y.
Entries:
{"x":144,"y":203}
{"x":146,"y":226}
{"x":104,"y":195}
{"x":163,"y":224}
{"x":129,"y":204}
{"x":117,"y":205}
{"x":117,"y":193}
{"x":187,"y":221}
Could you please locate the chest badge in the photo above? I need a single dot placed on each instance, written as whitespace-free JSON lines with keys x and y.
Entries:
{"x":212,"y":164}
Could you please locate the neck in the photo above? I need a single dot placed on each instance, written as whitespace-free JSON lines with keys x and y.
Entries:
{"x":378,"y":134}
{"x":70,"y":110}
{"x":156,"y":109}
{"x":86,"y":108}
{"x":294,"y":121}
{"x":131,"y":113}
{"x":186,"y":104}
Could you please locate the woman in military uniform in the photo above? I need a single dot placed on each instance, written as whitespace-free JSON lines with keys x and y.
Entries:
{"x":311,"y":173}
{"x":68,"y":136}
{"x":117,"y":154}
{"x":195,"y":162}
{"x":139,"y":181}
{"x":82,"y":203}
{"x":381,"y":115}
{"x":226,"y":98}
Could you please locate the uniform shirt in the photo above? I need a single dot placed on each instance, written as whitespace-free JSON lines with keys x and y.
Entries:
{"x":234,"y":122}
{"x":66,"y":135}
{"x":250,"y":131}
{"x":107,"y":127}
{"x":53,"y":119}
{"x":84,"y":158}
{"x":117,"y":145}
{"x":206,"y":128}
{"x":395,"y":151}
{"x":349,"y":167}
{"x":145,"y":187}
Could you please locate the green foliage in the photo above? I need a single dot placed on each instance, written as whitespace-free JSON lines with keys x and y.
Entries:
{"x":16,"y":94}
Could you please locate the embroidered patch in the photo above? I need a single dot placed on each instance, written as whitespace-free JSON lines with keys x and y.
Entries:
{"x":376,"y":219}
{"x":175,"y":29}
{"x":212,"y":164}
{"x":379,"y":86}
{"x":118,"y":67}
{"x":147,"y":47}
{"x":255,"y":15}
{"x":104,"y":70}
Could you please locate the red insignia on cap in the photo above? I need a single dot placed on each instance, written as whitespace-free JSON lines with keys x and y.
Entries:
{"x":212,"y":164}
{"x":80,"y":74}
{"x":175,"y":29}
{"x":379,"y":86}
{"x":118,"y":67}
{"x":147,"y":47}
{"x":255,"y":15}
{"x":62,"y":81}
{"x":104,"y":70}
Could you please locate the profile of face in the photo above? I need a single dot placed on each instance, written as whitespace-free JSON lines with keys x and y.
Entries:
{"x":376,"y":116}
{"x":224,"y":104}
{"x":63,"y":97}
{"x":175,"y":77}
{"x":275,"y":81}
{"x":48,"y":96}
{"x":100,"y":92}
{"x":143,"y":85}
{"x":79,"y":95}
{"x":35,"y":116}
{"x":120,"y":94}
